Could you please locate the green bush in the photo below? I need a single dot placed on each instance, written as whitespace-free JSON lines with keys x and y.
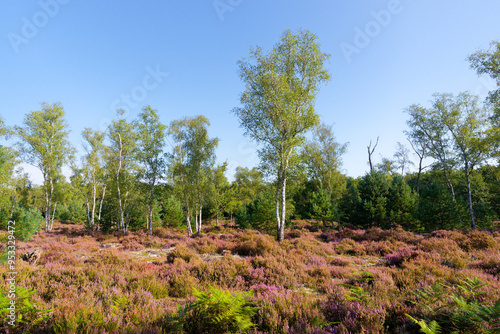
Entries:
{"x":373,"y":194}
{"x":73,"y":211}
{"x":28,"y":223}
{"x":217,"y":311}
{"x":172,"y":214}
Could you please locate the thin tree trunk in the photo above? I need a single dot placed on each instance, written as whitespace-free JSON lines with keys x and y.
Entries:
{"x":188,"y":222}
{"x":151,"y":209}
{"x":283,"y":211}
{"x":87,"y":204}
{"x":53,"y":214}
{"x":452,"y":190}
{"x":469,"y":197}
{"x":120,"y":207}
{"x":101,"y":201}
{"x":199,"y":220}
{"x":49,"y":207}
{"x":188,"y":215}
{"x":12,"y":207}
{"x":278,"y":216}
{"x":94,"y":198}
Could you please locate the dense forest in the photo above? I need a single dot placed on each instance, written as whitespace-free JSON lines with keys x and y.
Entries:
{"x":142,"y":177}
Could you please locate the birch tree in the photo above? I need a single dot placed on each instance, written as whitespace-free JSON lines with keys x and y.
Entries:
{"x":193,"y":156}
{"x":278,"y":103}
{"x":468,"y":124}
{"x":44,"y":144}
{"x":151,"y":141}
{"x":93,"y":173}
{"x":121,"y":153}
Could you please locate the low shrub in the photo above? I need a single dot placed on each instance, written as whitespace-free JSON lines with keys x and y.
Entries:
{"x":182,"y":252}
{"x":254,"y":243}
{"x":218,"y":312}
{"x":351,"y":247}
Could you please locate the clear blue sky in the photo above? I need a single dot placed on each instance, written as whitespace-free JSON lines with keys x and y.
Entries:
{"x":89,"y":54}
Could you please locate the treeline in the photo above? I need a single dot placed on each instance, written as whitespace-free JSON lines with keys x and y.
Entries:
{"x":141,"y":173}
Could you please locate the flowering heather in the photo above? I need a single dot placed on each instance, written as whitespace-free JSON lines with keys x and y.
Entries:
{"x":316,"y":281}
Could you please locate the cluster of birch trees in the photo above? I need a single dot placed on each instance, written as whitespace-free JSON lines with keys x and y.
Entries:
{"x":140,"y":167}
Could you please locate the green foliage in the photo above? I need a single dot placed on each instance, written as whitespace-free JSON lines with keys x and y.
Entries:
{"x":28,"y":313}
{"x":488,"y":62}
{"x":431,"y":328}
{"x":402,"y":203}
{"x":278,"y":104}
{"x":436,"y":209}
{"x":349,"y":201}
{"x":259,"y":214}
{"x":171,"y":212}
{"x":216,"y":311}
{"x":73,"y":211}
{"x":373,"y":194}
{"x":151,"y":140}
{"x":28,"y":222}
{"x":322,"y":207}
{"x":45,"y":145}
{"x":465,"y":313}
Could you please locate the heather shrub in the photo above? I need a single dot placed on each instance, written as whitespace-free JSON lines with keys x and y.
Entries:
{"x":351,"y":247}
{"x":327,"y":236}
{"x":347,"y":233}
{"x":132,"y":244}
{"x":204,"y":246}
{"x":481,"y":240}
{"x":353,"y":314}
{"x":112,"y":256}
{"x":280,"y":270}
{"x":217,"y":312}
{"x":374,"y":234}
{"x":226,"y":272}
{"x":401,"y":255}
{"x":254,"y":243}
{"x":182,"y":284}
{"x":293,"y":234}
{"x":381,"y":248}
{"x":447,"y":252}
{"x":181,"y":252}
{"x":489,"y":262}
{"x":287,"y":311}
{"x":340,"y":262}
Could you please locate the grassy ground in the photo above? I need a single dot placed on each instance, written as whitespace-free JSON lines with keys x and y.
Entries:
{"x":325,"y":281}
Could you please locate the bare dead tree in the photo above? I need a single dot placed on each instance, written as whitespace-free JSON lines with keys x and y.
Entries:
{"x":370,"y":152}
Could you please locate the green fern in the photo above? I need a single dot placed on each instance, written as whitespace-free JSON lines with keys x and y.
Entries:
{"x":429,"y":297}
{"x":28,"y":314}
{"x":431,"y":328}
{"x":216,"y":311}
{"x":464,"y":315}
